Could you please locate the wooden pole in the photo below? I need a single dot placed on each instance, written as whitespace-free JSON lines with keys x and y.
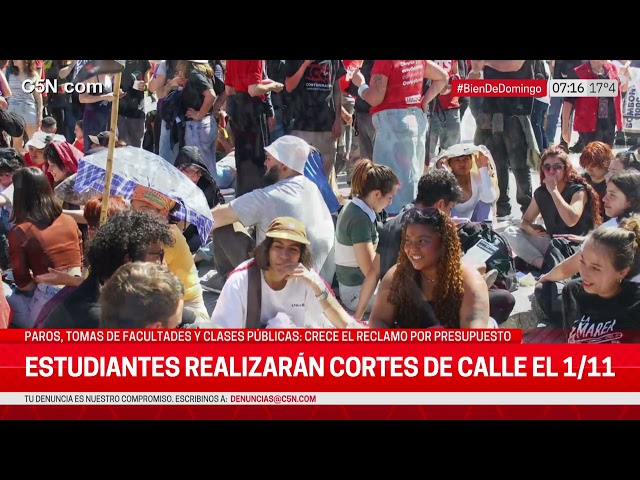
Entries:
{"x":112,"y":145}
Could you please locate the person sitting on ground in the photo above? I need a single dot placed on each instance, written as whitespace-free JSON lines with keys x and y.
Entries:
{"x":567,"y":203}
{"x":91,"y":213}
{"x":141,"y":295}
{"x":279,"y":287}
{"x":430,"y":285}
{"x":178,"y":257}
{"x":126,"y":237}
{"x":372,"y":187}
{"x":603,"y":305}
{"x":624,"y":161}
{"x":595,"y":159}
{"x":479,"y":185}
{"x":436,"y":189}
{"x":288,"y":194}
{"x":621,"y":201}
{"x":189,"y":162}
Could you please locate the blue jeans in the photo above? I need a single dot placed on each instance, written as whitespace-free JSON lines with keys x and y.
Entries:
{"x":165,"y":150}
{"x":553,"y":117}
{"x":401,"y":135}
{"x":204,"y":135}
{"x":444,"y":128}
{"x":537,"y":121}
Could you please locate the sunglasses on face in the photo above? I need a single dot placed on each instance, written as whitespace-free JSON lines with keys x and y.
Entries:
{"x":556,"y":167}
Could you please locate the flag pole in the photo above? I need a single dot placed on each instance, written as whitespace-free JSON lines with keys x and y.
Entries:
{"x":112,"y":144}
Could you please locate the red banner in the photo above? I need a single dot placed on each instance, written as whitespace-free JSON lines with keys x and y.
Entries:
{"x":299,"y":373}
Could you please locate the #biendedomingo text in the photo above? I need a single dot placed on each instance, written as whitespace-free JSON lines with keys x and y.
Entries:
{"x":281,"y":366}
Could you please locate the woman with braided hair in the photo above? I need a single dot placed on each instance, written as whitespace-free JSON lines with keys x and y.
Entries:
{"x":430,"y":286}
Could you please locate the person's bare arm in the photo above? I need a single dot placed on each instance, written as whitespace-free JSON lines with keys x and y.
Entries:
{"x":65,"y":71}
{"x":4,"y":86}
{"x":474,"y":311}
{"x":224,"y":215}
{"x":383,"y":312}
{"x":526,"y":225}
{"x":374,"y":95}
{"x":563,"y":271}
{"x":291,"y":83}
{"x":368,"y":287}
{"x":439,"y":80}
{"x":570,"y":213}
{"x":364,"y":253}
{"x":259,"y":89}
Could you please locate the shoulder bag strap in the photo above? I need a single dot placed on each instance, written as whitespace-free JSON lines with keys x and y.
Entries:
{"x":254,"y":297}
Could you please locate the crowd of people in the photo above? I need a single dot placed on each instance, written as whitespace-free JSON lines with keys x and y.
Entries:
{"x":415,"y":243}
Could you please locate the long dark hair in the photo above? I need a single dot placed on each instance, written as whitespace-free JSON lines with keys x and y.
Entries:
{"x":33,"y":198}
{"x":628,"y":182}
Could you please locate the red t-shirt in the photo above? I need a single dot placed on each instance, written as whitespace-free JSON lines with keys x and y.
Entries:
{"x":79,"y":144}
{"x":450,"y":100}
{"x":404,"y":85}
{"x":30,"y":163}
{"x":243,"y":73}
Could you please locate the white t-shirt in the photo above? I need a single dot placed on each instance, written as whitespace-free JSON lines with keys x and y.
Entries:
{"x":297,"y":300}
{"x":296,"y":197}
{"x":482,"y":189}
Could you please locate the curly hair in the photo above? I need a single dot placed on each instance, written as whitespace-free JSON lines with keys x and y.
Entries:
{"x":596,"y":153}
{"x":126,"y":236}
{"x":571,"y":176}
{"x":448,"y":290}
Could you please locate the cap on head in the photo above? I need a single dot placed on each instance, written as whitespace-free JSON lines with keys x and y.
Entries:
{"x":290,"y":151}
{"x":288,"y":228}
{"x":101,"y":139}
{"x":41,"y":139}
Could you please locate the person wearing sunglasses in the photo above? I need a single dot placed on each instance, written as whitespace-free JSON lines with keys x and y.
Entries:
{"x":430,"y":286}
{"x":621,"y":202}
{"x":567,"y":203}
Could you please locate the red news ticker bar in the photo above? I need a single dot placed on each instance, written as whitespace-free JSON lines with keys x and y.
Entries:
{"x":358,"y":335}
{"x":499,"y":88}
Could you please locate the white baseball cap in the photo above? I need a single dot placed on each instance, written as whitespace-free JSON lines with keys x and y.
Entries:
{"x":198,"y":61}
{"x":40,"y":139}
{"x":290,"y":151}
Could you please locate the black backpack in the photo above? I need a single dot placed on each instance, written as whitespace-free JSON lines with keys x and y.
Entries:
{"x":471,"y":233}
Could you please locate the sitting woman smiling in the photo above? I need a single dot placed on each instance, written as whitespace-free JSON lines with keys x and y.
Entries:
{"x":430,"y":286}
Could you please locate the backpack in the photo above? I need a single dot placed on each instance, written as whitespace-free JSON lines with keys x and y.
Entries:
{"x":172,"y":108}
{"x":471,"y":233}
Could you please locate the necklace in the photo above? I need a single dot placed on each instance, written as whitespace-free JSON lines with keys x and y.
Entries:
{"x":428,"y":280}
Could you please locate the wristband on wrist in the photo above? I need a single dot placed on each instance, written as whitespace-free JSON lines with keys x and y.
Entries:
{"x":361,"y":89}
{"x":323,"y":296}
